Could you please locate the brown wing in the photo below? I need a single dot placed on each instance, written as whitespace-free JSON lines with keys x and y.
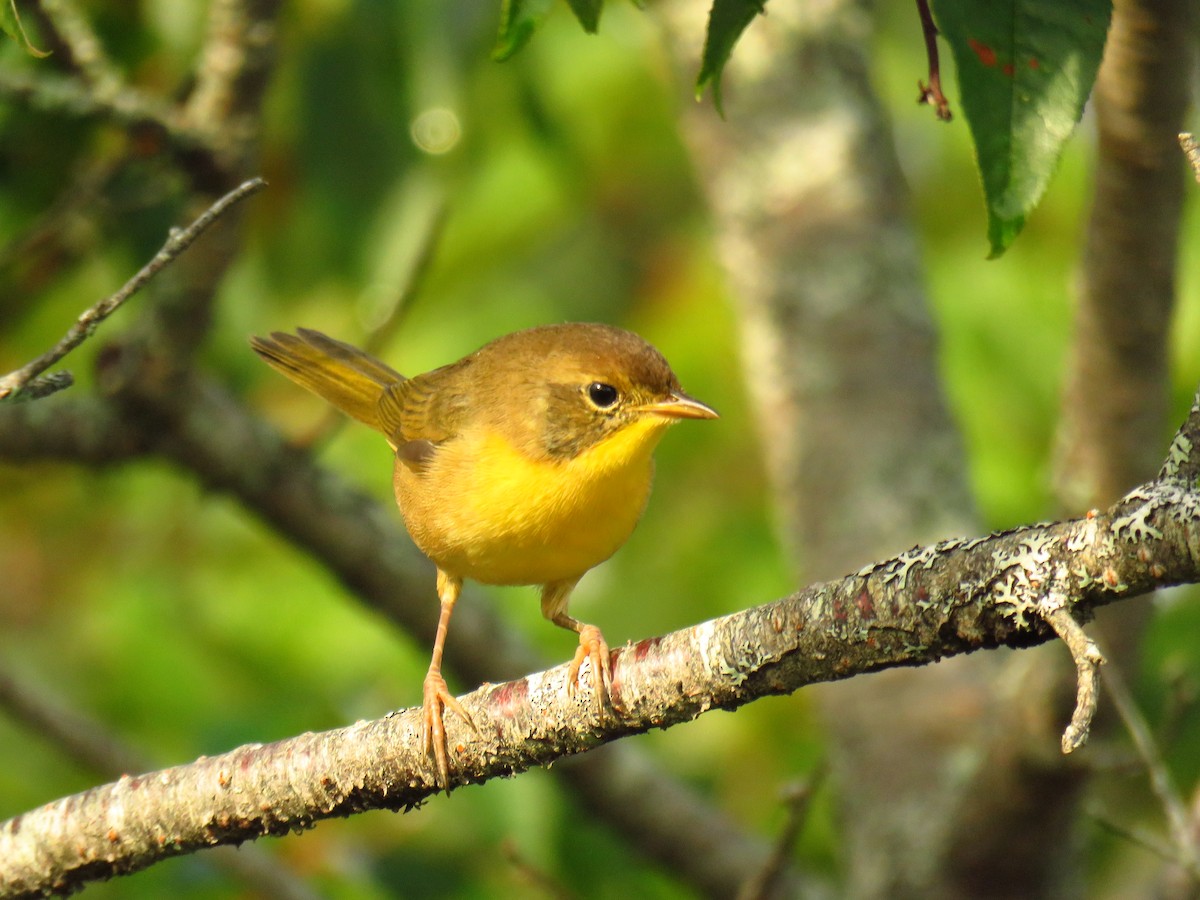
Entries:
{"x":420,"y":413}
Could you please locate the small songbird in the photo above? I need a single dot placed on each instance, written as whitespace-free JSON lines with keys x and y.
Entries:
{"x":527,"y":462}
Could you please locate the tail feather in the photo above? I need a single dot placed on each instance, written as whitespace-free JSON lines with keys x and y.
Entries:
{"x":347,"y":377}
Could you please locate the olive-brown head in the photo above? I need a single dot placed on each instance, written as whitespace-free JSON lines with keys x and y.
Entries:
{"x":559,"y":390}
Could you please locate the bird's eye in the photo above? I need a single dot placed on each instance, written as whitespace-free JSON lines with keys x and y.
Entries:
{"x":602,"y":395}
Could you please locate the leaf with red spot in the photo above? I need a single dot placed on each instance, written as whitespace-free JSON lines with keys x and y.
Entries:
{"x":1025,"y":70}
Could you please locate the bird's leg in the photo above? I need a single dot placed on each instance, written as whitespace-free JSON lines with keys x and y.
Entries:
{"x":437,"y":697}
{"x":591,"y":642}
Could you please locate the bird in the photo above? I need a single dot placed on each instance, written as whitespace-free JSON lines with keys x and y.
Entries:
{"x":527,"y":462}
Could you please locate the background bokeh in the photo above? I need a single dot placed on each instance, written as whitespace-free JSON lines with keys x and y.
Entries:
{"x":189,"y":628}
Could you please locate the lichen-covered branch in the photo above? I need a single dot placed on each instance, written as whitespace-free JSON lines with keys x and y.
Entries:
{"x":90,"y":744}
{"x":209,"y":435}
{"x":951,"y":597}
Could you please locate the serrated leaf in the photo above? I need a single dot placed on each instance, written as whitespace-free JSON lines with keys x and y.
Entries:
{"x":10,"y":24}
{"x":519,"y":19}
{"x":588,"y":13}
{"x":726,"y":21}
{"x":1025,"y":70}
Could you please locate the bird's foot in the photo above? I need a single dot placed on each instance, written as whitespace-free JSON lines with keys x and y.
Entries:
{"x":592,"y":646}
{"x":437,"y":699}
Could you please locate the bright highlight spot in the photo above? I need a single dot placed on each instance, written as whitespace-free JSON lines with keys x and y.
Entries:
{"x":436,"y":130}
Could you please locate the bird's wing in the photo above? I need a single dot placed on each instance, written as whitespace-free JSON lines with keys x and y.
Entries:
{"x":421,"y":413}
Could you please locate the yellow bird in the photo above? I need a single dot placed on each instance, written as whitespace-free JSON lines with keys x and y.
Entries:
{"x":527,"y":462}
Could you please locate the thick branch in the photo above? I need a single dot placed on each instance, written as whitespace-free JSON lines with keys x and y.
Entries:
{"x":90,"y":744}
{"x":209,"y":435}
{"x":929,"y":603}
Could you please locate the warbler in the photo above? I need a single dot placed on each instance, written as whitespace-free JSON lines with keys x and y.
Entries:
{"x":527,"y":462}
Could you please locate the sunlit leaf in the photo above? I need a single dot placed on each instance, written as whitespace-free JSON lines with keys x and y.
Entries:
{"x":10,"y":23}
{"x":588,"y":13}
{"x":519,"y":19}
{"x":1025,"y":70}
{"x":726,"y":21}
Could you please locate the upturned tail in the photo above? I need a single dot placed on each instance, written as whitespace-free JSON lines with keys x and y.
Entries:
{"x":347,"y":377}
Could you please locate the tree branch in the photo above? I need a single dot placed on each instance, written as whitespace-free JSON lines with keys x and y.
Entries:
{"x":948,"y":598}
{"x":1179,"y":823}
{"x":24,"y":382}
{"x":90,"y":744}
{"x":208,"y":434}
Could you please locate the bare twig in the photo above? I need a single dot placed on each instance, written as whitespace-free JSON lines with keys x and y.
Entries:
{"x":13,"y":386}
{"x":86,"y":51}
{"x":537,"y":879}
{"x":72,"y":95}
{"x":797,"y":798}
{"x":386,"y":321}
{"x":1137,"y":836}
{"x":411,"y":279}
{"x":931,"y":93}
{"x":1191,"y":150}
{"x":1088,"y":660}
{"x":1161,"y":782}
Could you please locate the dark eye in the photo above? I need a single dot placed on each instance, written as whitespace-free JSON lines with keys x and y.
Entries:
{"x":601,"y":394}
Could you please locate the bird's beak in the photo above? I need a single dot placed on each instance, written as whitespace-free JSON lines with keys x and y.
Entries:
{"x":680,"y":406}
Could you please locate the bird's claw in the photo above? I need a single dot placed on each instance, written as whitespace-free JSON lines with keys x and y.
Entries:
{"x":436,"y":700}
{"x":592,"y":646}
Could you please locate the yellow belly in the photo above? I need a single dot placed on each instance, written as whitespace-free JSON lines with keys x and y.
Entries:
{"x":482,"y":510}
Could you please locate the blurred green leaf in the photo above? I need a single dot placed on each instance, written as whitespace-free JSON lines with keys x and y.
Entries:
{"x":10,"y":22}
{"x":519,"y":19}
{"x":1025,"y":69}
{"x":726,"y":21}
{"x":588,"y":13}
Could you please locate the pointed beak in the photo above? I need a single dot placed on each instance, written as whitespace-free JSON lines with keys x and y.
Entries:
{"x":680,"y":406}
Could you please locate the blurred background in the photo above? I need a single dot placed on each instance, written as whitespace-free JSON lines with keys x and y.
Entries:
{"x":555,"y":186}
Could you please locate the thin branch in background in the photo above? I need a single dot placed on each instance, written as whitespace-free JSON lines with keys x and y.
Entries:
{"x":1191,"y":150}
{"x":1178,"y":820}
{"x":797,"y":798}
{"x":86,"y":51}
{"x":1137,"y":836}
{"x":931,"y":93}
{"x":72,"y":96}
{"x":385,"y":325}
{"x":1088,"y":660}
{"x":89,"y":744}
{"x":24,"y":383}
{"x":411,"y":280}
{"x":534,"y":877}
{"x":51,"y":233}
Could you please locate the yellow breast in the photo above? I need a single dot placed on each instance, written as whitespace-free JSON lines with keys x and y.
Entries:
{"x":483,"y":510}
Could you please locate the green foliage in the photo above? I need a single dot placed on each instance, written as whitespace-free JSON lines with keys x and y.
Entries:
{"x":10,"y":24}
{"x":726,"y":21}
{"x":1025,"y":70}
{"x":519,"y":19}
{"x":588,"y":13}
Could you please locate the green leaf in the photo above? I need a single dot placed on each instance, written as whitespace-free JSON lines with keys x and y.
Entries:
{"x":519,"y":19}
{"x":1025,"y":69}
{"x":588,"y":13}
{"x":726,"y":21}
{"x":10,"y":24}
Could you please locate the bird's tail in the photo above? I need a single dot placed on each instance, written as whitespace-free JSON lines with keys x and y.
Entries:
{"x":347,"y":377}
